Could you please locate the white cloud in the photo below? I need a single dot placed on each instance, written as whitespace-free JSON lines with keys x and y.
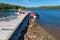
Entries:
{"x":26,"y":1}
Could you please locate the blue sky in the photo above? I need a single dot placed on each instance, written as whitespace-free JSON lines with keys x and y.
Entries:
{"x":32,"y":3}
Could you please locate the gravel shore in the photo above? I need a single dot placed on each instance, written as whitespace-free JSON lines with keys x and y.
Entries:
{"x":36,"y":32}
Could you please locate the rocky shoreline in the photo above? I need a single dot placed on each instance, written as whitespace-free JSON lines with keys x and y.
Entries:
{"x":36,"y":32}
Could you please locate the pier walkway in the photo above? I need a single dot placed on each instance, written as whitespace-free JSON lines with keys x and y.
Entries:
{"x":7,"y":28}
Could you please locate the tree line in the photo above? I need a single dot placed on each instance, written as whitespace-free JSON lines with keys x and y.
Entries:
{"x":49,"y":7}
{"x":4,"y":6}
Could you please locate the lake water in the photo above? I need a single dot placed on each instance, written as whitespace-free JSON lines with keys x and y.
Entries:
{"x":8,"y":12}
{"x":48,"y":18}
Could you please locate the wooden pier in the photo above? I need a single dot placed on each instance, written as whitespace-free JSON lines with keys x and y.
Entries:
{"x":7,"y":28}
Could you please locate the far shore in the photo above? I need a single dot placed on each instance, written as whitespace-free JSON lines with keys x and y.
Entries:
{"x":32,"y":9}
{"x":8,"y":9}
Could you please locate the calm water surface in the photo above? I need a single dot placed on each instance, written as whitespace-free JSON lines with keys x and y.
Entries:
{"x":8,"y":12}
{"x":49,"y":18}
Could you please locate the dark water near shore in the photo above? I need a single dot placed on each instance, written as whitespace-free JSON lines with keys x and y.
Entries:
{"x":49,"y":18}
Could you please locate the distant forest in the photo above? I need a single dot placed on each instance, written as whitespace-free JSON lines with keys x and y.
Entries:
{"x":49,"y":7}
{"x":4,"y":6}
{"x":45,"y":7}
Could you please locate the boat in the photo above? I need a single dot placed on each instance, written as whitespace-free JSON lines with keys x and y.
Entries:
{"x":34,"y":15}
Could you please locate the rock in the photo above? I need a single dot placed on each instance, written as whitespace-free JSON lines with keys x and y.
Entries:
{"x":36,"y":32}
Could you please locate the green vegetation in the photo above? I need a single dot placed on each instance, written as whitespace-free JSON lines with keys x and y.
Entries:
{"x":49,"y":7}
{"x":4,"y":6}
{"x":45,"y":7}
